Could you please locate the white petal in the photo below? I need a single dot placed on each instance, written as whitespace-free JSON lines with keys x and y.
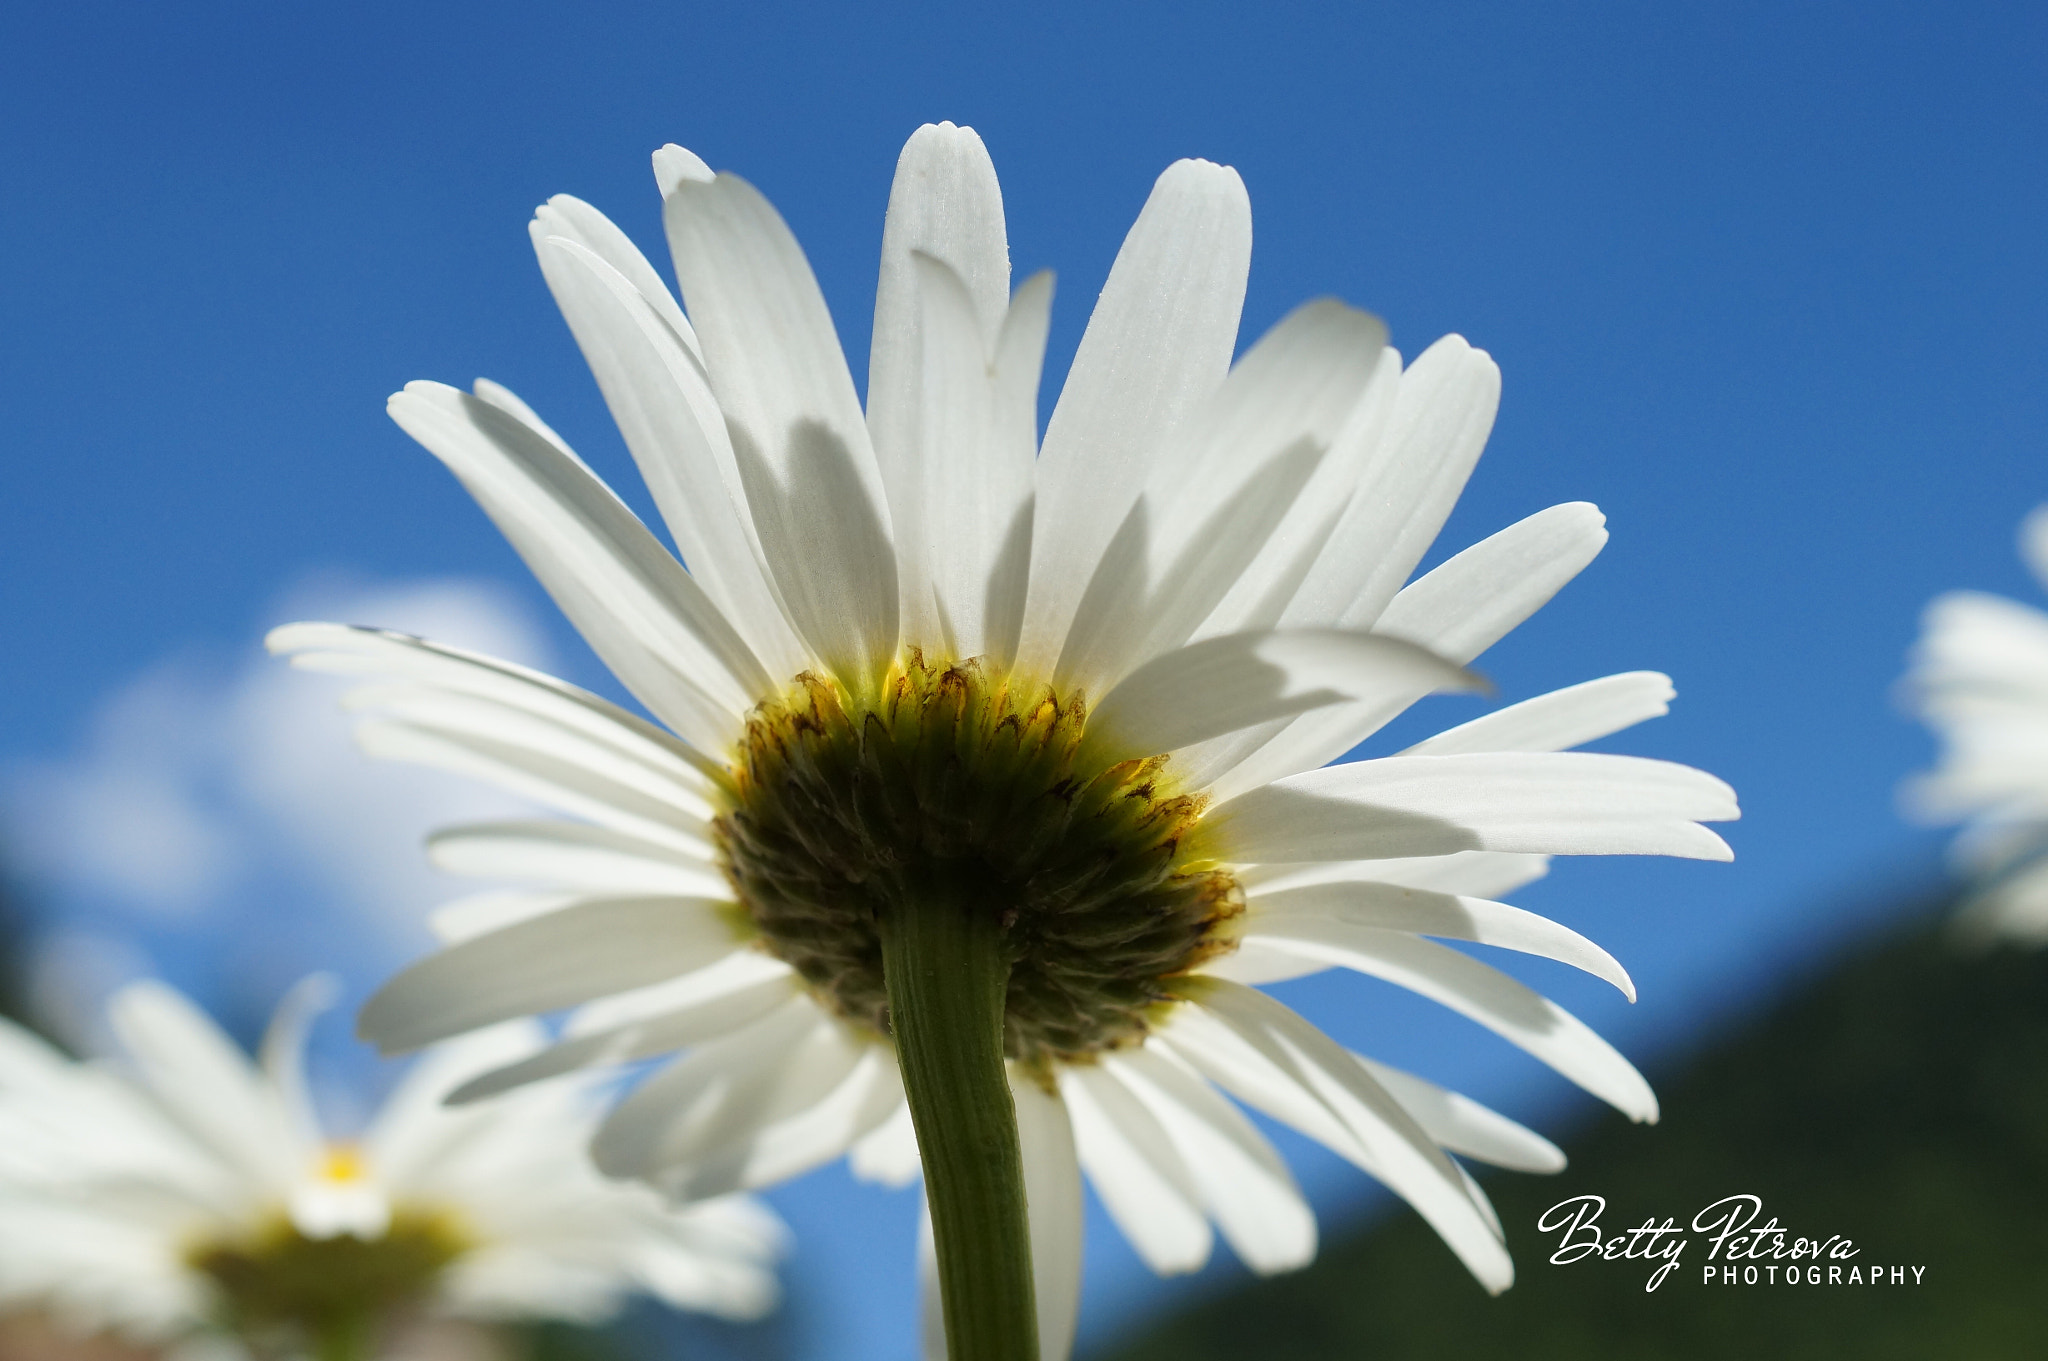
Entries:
{"x":1272,"y":580}
{"x":797,"y":431}
{"x":1442,"y":415}
{"x":2034,"y":543}
{"x":1457,"y":610}
{"x":1395,"y":1147}
{"x":414,"y":1136}
{"x":888,"y":1154}
{"x":1255,"y":964}
{"x":1052,"y":1197}
{"x":635,"y":604}
{"x":572,"y":855}
{"x":655,"y":385}
{"x":562,"y":785}
{"x":1136,"y":1170}
{"x":1222,"y":489}
{"x":558,"y":960}
{"x":1242,"y":1181}
{"x":1020,"y":359}
{"x":674,"y":164}
{"x":759,"y":1105}
{"x":646,"y":1038}
{"x":572,"y":219}
{"x":1516,"y":1013}
{"x":1553,"y":803}
{"x":1482,"y":874}
{"x":203,"y":1082}
{"x":282,"y":1056}
{"x":1322,"y":912}
{"x":977,"y":438}
{"x":491,"y":727}
{"x":477,"y":914}
{"x":1561,"y":719}
{"x":738,"y":1069}
{"x":1222,"y":685}
{"x":737,"y":972}
{"x":931,"y":1305}
{"x":1158,"y":344}
{"x":1464,"y":1126}
{"x":344,"y":649}
{"x":945,"y":206}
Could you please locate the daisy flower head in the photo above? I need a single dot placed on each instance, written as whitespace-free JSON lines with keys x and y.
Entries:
{"x":189,"y":1193}
{"x":991,"y":774}
{"x":1979,"y":679}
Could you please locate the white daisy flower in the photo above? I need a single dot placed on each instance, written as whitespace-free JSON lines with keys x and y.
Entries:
{"x":1979,"y":678}
{"x":989,"y":761}
{"x":190,"y":1191}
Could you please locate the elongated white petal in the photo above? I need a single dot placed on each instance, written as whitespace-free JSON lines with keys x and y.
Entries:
{"x":473,"y":720}
{"x":548,"y":962}
{"x":1007,"y":500}
{"x":634,"y":603}
{"x":887,"y":1155}
{"x":204,"y":1083}
{"x":646,"y":1038}
{"x":1136,"y":1171}
{"x":479,"y":914}
{"x":674,"y":164}
{"x":1511,"y":1010}
{"x":1561,"y":719}
{"x":1052,"y":1197}
{"x":737,"y":1112}
{"x":1458,"y":610}
{"x":797,"y":432}
{"x":737,"y":972}
{"x":562,"y":785}
{"x":344,"y":649}
{"x":1464,"y":1126}
{"x":1481,"y":874}
{"x":1275,"y":577}
{"x":1158,"y":344}
{"x":931,"y":1306}
{"x":945,"y":207}
{"x":1221,"y":685}
{"x":573,"y":855}
{"x":282,"y":1056}
{"x":569,"y":217}
{"x":1220,"y":490}
{"x":1255,"y":964}
{"x":1242,"y":1182}
{"x":738,"y":1070}
{"x":1443,"y":412}
{"x":654,"y":382}
{"x":1328,"y":912}
{"x":1397,"y":1149}
{"x":412,"y":1140}
{"x":1554,"y":803}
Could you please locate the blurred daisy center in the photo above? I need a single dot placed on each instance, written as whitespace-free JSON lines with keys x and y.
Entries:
{"x":986,"y":790}
{"x":284,"y":1277}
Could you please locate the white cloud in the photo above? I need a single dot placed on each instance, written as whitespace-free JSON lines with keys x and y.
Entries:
{"x":217,"y":814}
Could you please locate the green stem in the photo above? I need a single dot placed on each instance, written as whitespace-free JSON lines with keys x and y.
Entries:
{"x":946,"y":971}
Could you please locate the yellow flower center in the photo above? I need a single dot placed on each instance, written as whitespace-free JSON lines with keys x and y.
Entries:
{"x":838,"y":806}
{"x":341,"y":1163}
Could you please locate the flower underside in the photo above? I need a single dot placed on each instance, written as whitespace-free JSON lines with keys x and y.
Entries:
{"x":280,"y":1278}
{"x":843,"y":810}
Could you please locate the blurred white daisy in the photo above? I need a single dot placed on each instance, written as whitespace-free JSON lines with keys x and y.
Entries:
{"x":1082,"y":694}
{"x":187,"y":1192}
{"x":1979,"y":678}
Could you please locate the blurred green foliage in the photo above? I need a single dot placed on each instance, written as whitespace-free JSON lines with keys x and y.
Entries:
{"x":1900,"y":1098}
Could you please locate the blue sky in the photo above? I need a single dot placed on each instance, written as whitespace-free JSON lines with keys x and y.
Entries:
{"x":1765,"y":283}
